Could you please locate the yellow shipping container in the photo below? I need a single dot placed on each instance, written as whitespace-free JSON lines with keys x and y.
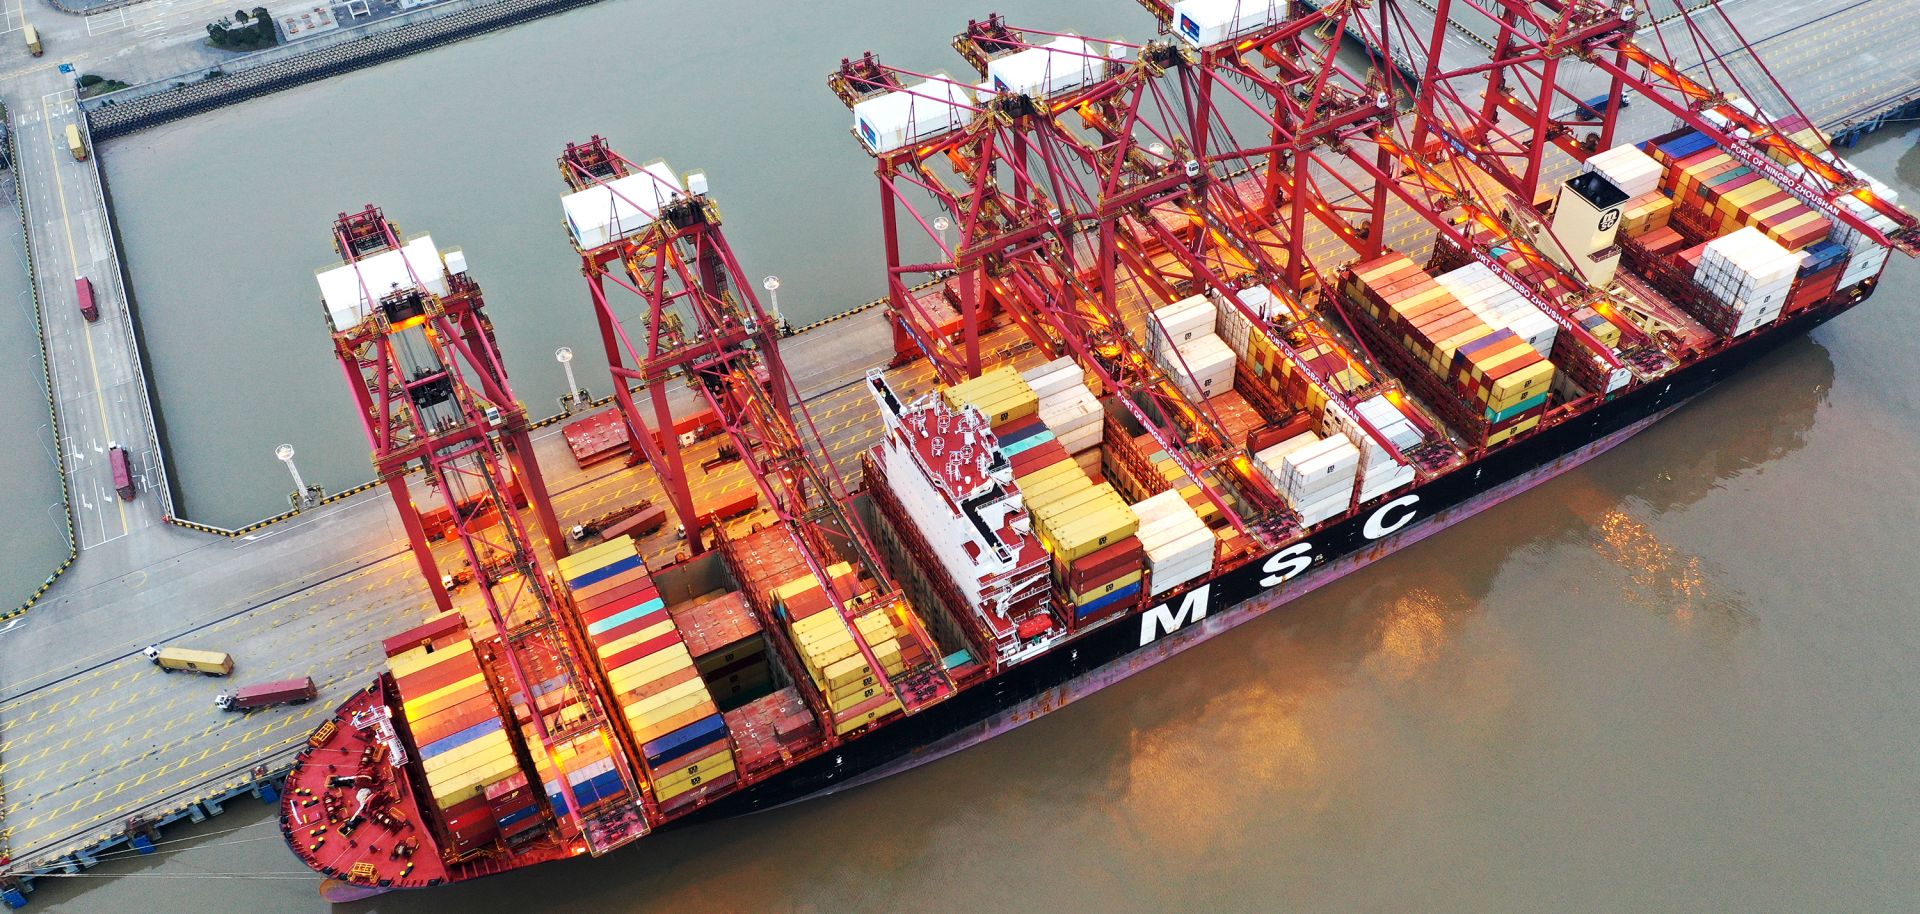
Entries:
{"x":491,"y":771}
{"x":471,"y":769}
{"x":848,"y":671}
{"x":1521,"y":429}
{"x":657,"y":713}
{"x":667,"y":697}
{"x":1793,"y":226}
{"x":1480,"y":364}
{"x":597,"y":555}
{"x":1520,"y":385}
{"x":843,"y":699}
{"x":1041,"y":475}
{"x":644,"y":732}
{"x":807,"y":582}
{"x":463,"y":755}
{"x":1001,"y":395}
{"x":418,"y":659}
{"x":419,"y":708}
{"x":667,"y":789}
{"x":1084,"y":597}
{"x":1043,"y":492}
{"x":1095,"y":532}
{"x":843,"y":726}
{"x":664,"y":626}
{"x":651,"y":667}
{"x":822,"y":622}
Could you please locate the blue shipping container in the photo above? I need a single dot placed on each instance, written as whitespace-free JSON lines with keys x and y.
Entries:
{"x":684,"y":740}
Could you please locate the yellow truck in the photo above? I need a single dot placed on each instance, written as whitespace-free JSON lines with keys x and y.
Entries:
{"x":33,"y":40}
{"x":76,"y":145}
{"x":209,"y":663}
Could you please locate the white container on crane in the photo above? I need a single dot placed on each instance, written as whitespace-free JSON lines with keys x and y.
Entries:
{"x":907,"y":116}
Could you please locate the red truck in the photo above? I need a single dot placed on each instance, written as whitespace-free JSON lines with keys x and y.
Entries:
{"x":639,"y":520}
{"x":122,"y":472}
{"x":89,"y":309}
{"x":281,"y":692}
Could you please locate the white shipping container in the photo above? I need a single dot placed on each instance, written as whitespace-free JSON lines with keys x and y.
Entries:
{"x":1061,"y":65}
{"x":1381,"y":483}
{"x":906,"y":116}
{"x":1055,"y":381}
{"x":1081,"y":439}
{"x":1331,"y":506}
{"x":1235,"y":330}
{"x":1204,"y":367}
{"x":1326,"y":457}
{"x":1209,"y":22}
{"x":1630,"y":169}
{"x":1181,"y":322}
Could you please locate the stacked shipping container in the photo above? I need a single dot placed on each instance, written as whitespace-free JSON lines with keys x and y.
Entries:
{"x":459,"y":736}
{"x":650,"y":675}
{"x":855,"y":692}
{"x":1186,"y":348}
{"x":1316,"y":475}
{"x":1177,"y":546}
{"x":1089,"y":531}
{"x":1491,"y":383}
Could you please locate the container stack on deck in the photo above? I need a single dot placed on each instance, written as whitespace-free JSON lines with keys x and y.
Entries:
{"x":1491,"y":384}
{"x":1747,"y":278}
{"x":1799,"y":259}
{"x":462,"y":742}
{"x":1380,"y":472}
{"x":1178,"y":547}
{"x":856,"y":693}
{"x":650,"y":675}
{"x":1315,"y":475}
{"x":1186,"y":348}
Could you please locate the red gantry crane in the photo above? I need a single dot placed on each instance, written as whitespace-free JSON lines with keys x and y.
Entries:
{"x":642,"y":229}
{"x":383,"y":265}
{"x":422,"y":365}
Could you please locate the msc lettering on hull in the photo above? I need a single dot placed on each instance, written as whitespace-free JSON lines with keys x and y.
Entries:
{"x":1279,"y":568}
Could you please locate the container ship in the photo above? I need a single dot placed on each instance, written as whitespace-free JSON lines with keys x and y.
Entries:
{"x":1181,"y":331}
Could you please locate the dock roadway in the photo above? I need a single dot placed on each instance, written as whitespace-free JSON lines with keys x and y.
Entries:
{"x":89,"y":732}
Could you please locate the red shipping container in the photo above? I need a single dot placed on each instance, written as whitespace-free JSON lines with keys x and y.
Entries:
{"x":620,"y":594}
{"x":429,"y":679}
{"x":630,"y":627}
{"x":449,"y":624}
{"x":641,"y":650}
{"x":585,"y":595}
{"x":1120,"y":554}
{"x":1038,"y":457}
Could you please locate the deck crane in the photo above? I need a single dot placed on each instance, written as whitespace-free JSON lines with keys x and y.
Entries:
{"x":1019,"y":214}
{"x":408,"y":330}
{"x":704,"y":323}
{"x":382,"y":263}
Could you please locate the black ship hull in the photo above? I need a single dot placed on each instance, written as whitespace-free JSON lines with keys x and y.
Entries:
{"x":1193,"y":614}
